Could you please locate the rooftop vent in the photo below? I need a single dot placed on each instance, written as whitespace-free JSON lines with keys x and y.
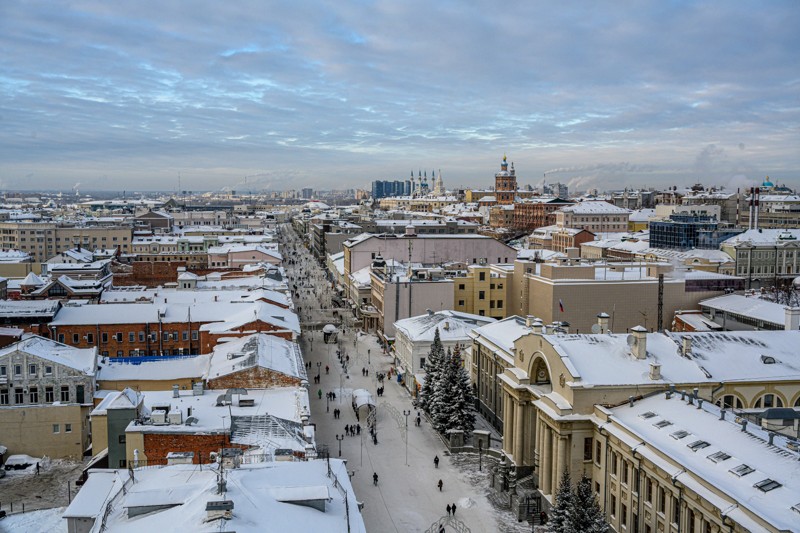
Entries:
{"x":768,"y":360}
{"x":220,"y":509}
{"x":766,"y":485}
{"x":741,"y":470}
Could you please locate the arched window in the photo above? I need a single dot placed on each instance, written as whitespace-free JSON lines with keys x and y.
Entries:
{"x":729,"y":401}
{"x":768,"y":400}
{"x":541,"y":375}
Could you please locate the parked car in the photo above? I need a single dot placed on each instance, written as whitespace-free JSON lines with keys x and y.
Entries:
{"x":20,"y":462}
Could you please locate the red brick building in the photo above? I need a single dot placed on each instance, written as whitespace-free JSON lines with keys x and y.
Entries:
{"x":537,"y":212}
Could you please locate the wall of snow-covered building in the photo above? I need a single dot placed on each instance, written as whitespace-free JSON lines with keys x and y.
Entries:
{"x":55,"y":431}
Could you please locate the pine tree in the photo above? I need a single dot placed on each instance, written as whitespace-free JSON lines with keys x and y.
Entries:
{"x":587,"y":516}
{"x":463,"y":414}
{"x":432,"y":369}
{"x":442,"y":406}
{"x":563,"y":509}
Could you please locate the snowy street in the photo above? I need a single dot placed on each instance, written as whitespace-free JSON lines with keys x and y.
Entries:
{"x":407,"y":497}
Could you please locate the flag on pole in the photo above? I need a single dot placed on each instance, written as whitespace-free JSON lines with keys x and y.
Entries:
{"x":561,"y":305}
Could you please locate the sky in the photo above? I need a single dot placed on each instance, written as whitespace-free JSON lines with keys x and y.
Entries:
{"x":252,"y":95}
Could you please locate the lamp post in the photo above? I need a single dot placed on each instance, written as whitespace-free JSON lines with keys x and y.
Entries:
{"x":480,"y":457}
{"x":369,"y":361}
{"x":406,"y":413}
{"x":340,"y":438}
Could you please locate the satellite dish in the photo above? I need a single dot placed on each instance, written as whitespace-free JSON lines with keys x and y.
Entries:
{"x":596,"y":328}
{"x":631,"y":340}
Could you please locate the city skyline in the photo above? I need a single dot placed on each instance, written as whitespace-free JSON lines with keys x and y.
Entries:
{"x":249,"y":96}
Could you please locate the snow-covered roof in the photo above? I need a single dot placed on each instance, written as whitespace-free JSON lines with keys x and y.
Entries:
{"x":124,"y":399}
{"x":606,"y":359}
{"x":453,"y":326}
{"x":709,"y":469}
{"x":183,"y":296}
{"x":543,"y":254}
{"x":81,"y":359}
{"x":14,"y":256}
{"x":594,"y":207}
{"x":285,"y":403}
{"x":502,"y":334}
{"x":147,"y":368}
{"x":258,"y":350}
{"x":642,"y":215}
{"x":756,"y":237}
{"x":28,"y":308}
{"x":258,"y":492}
{"x":748,"y":306}
{"x":32,"y":280}
{"x":225,"y":315}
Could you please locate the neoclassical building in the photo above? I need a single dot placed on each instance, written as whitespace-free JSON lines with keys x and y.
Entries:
{"x":560,"y":394}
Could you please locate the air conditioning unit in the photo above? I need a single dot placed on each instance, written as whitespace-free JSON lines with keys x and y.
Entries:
{"x":175,"y":417}
{"x":158,"y":417}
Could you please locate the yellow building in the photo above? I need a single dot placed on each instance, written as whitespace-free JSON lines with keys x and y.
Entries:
{"x":483,"y":291}
{"x":560,"y":412}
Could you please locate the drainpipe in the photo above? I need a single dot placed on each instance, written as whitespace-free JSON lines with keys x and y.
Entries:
{"x":725,"y":517}
{"x":638,"y":458}
{"x":675,"y":483}
{"x":715,"y":390}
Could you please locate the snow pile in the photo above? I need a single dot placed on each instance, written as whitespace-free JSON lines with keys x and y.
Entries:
{"x":466,"y":503}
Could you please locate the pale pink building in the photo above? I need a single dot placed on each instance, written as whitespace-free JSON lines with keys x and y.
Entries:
{"x":238,"y":255}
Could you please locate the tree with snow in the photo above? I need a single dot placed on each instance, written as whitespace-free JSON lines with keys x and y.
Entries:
{"x":442,"y":407}
{"x":586,"y":515}
{"x":561,"y":513}
{"x":462,"y":414}
{"x":432,"y":369}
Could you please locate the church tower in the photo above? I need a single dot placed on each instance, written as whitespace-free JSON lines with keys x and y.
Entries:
{"x":505,"y":184}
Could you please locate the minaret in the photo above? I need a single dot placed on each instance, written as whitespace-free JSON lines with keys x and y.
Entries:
{"x":439,"y":188}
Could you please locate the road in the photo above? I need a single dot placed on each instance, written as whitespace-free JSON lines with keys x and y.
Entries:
{"x":407,"y":497}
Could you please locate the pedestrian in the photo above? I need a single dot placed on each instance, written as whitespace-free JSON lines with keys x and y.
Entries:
{"x":375,"y":439}
{"x":441,"y":528}
{"x":347,"y":430}
{"x":375,"y":479}
{"x":319,"y":393}
{"x":37,"y":468}
{"x":436,"y":461}
{"x":358,"y":429}
{"x":419,"y":420}
{"x":448,"y":509}
{"x":441,"y":484}
{"x":454,"y":509}
{"x":327,"y":369}
{"x":333,"y":395}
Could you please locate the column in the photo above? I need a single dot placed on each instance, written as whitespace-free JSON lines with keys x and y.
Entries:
{"x":546,"y":467}
{"x":519,"y":434}
{"x":561,"y":463}
{"x":508,"y":431}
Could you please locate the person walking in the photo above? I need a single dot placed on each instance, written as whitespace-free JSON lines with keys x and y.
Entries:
{"x":319,"y":393}
{"x":448,"y":509}
{"x":436,"y":463}
{"x":441,"y":484}
{"x":454,"y":509}
{"x":375,"y":478}
{"x":327,"y":369}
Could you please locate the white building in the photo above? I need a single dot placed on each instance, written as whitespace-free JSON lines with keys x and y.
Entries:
{"x":414,"y":337}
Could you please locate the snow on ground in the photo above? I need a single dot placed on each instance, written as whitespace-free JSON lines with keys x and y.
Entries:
{"x":48,"y":489}
{"x":407,"y":498}
{"x":47,"y":520}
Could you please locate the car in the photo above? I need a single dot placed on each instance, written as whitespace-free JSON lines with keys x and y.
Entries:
{"x":20,"y":462}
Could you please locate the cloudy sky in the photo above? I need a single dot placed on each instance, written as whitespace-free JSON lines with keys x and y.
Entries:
{"x":131,"y":95}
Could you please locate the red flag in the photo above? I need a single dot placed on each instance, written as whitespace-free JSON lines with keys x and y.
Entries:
{"x":561,"y":305}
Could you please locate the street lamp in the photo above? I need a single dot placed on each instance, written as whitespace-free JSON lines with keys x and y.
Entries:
{"x":406,"y":413}
{"x":340,"y":438}
{"x":480,"y":455}
{"x":369,"y":362}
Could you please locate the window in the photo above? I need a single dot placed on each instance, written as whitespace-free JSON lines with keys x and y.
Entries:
{"x":587,"y":449}
{"x":131,"y":336}
{"x":461,"y":302}
{"x":481,"y":295}
{"x":90,"y":338}
{"x":141,"y":336}
{"x":613,"y":464}
{"x":719,"y":457}
{"x":613,"y":510}
{"x":75,"y":338}
{"x":49,"y":395}
{"x":3,"y":371}
{"x":65,"y":393}
{"x":461,"y":286}
{"x":623,"y":515}
{"x":662,"y":424}
{"x":104,"y":337}
{"x":697,"y":445}
{"x":482,"y":276}
{"x":118,"y":336}
{"x":122,"y":439}
{"x":67,"y":428}
{"x":32,"y":370}
{"x":624,"y":467}
{"x":185,"y":335}
{"x":499,"y":304}
{"x":19,"y":397}
{"x":679,"y":434}
{"x":635,"y":476}
{"x":33,"y":394}
{"x":598,"y":450}
{"x":56,"y":428}
{"x":769,"y":400}
{"x":165,"y":336}
{"x":648,"y":414}
{"x":662,"y":500}
{"x":194,"y":335}
{"x":17,"y":370}
{"x":767,"y":485}
{"x":3,"y":396}
{"x":120,"y":353}
{"x":741,"y":470}
{"x":676,"y":512}
{"x":61,"y":338}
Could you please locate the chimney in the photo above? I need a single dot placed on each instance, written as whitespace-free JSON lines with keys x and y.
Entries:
{"x":639,"y":342}
{"x":750,"y":207}
{"x":537,"y":326}
{"x":755,"y":206}
{"x":699,"y":403}
{"x":792,"y":318}
{"x":686,"y":346}
{"x":771,"y":438}
{"x":630,"y":401}
{"x":655,"y":372}
{"x":744,"y":424}
{"x":176,"y":391}
{"x":602,"y":321}
{"x":695,"y":392}
{"x":722,"y":414}
{"x":529,"y":321}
